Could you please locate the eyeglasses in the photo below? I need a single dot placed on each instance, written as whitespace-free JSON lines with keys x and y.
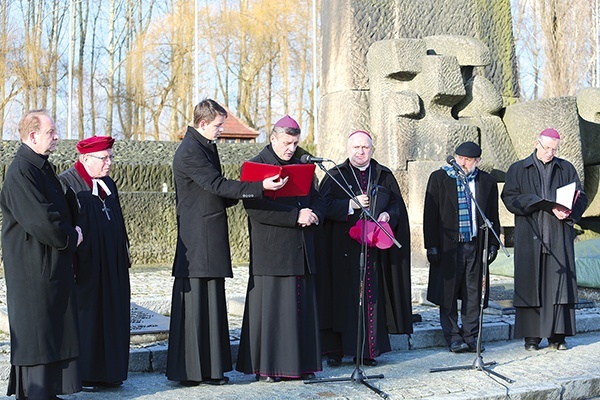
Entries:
{"x":104,"y":159}
{"x":548,"y":149}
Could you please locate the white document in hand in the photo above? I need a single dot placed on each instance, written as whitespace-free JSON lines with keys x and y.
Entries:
{"x":565,"y":195}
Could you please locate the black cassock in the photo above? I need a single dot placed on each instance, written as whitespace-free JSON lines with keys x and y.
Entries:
{"x":387,"y":296}
{"x":102,"y":282}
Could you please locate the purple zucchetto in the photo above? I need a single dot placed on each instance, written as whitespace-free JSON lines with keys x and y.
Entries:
{"x":551,"y":133}
{"x":287,"y":122}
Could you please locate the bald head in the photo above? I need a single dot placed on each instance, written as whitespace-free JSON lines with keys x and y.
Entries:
{"x":360,"y":149}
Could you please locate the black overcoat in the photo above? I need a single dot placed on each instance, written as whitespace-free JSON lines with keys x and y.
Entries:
{"x":521,"y":192}
{"x":339,"y":254}
{"x":278,"y":245}
{"x":440,"y":229}
{"x":202,"y":195}
{"x":102,"y":284}
{"x":38,"y":243}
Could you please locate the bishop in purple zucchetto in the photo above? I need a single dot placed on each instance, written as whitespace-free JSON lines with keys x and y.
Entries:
{"x":287,"y":122}
{"x":551,"y":133}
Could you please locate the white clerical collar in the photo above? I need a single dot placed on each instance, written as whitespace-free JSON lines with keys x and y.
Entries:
{"x":99,"y":182}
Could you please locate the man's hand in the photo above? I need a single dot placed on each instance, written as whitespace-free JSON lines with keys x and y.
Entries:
{"x":433,"y":256}
{"x":561,"y":212}
{"x":492,"y":253}
{"x":274,"y":183}
{"x":384,"y":217}
{"x":79,"y":235}
{"x":363,"y":200}
{"x":307,"y":217}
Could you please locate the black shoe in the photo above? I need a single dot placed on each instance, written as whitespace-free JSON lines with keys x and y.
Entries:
{"x":459,"y":346}
{"x":558,"y":345}
{"x":114,"y":384}
{"x":88,"y":386}
{"x":532,"y":344}
{"x":268,"y":379}
{"x":369,"y":362}
{"x":473,"y":347}
{"x":215,"y":381}
{"x":307,"y":376}
{"x":334,"y":360}
{"x":189,"y":383}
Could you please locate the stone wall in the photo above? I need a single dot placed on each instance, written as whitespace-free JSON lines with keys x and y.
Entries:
{"x":350,"y":27}
{"x":423,"y":77}
{"x":142,"y":170}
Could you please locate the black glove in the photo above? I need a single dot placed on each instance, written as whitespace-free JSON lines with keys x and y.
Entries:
{"x":433,"y":256}
{"x":492,"y":253}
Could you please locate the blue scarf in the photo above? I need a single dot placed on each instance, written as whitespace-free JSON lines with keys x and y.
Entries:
{"x":465,"y":217}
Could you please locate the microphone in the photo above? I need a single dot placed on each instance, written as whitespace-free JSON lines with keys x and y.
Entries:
{"x":452,"y":161}
{"x":307,"y":158}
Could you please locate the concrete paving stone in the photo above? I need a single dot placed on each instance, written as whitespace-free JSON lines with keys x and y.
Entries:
{"x":140,"y":360}
{"x":544,"y":374}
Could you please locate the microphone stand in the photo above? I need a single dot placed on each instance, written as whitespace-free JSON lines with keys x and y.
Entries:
{"x":358,"y":374}
{"x":478,"y":363}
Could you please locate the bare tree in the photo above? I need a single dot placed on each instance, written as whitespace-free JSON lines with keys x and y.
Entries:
{"x":133,"y":65}
{"x":9,"y":88}
{"x":110,"y":78}
{"x":82,"y":13}
{"x":554,"y":46}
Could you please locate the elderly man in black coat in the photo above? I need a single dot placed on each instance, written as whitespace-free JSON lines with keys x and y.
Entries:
{"x":38,"y":243}
{"x":102,"y":267}
{"x":455,"y":243}
{"x":280,"y":331}
{"x":545,"y":279}
{"x":387,"y":299}
{"x":199,"y":349}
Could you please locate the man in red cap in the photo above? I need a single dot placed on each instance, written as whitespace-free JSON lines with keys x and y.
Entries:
{"x":102,"y":266}
{"x":199,"y":349}
{"x":39,"y":238}
{"x":386,"y":308}
{"x":455,"y":243}
{"x":545,"y":281}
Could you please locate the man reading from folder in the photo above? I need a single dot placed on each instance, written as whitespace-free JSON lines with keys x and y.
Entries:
{"x":199,"y":350}
{"x":280,"y":334}
{"x":545,"y":281}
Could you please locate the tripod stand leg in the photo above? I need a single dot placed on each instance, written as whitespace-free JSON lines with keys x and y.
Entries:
{"x":380,"y":393}
{"x":498,"y":375}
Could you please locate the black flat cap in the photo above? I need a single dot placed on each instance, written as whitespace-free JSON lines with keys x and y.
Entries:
{"x":468,"y":149}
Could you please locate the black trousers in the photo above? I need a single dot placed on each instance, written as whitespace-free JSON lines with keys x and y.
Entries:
{"x":468,"y":289}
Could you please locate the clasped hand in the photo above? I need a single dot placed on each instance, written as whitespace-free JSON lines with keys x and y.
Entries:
{"x":363,"y":199}
{"x":307,"y":217}
{"x":561,"y":213}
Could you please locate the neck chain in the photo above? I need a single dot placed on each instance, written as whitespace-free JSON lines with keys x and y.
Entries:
{"x":358,"y":182}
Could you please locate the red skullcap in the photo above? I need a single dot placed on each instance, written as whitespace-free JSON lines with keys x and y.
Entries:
{"x":287,"y":122}
{"x":95,"y":143}
{"x":551,"y":133}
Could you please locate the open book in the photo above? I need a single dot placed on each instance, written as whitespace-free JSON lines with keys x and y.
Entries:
{"x":566,"y":196}
{"x":299,"y":182}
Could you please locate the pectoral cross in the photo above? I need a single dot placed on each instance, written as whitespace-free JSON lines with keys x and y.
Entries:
{"x":106,"y":210}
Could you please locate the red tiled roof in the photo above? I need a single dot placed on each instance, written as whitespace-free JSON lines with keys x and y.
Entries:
{"x":234,"y":128}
